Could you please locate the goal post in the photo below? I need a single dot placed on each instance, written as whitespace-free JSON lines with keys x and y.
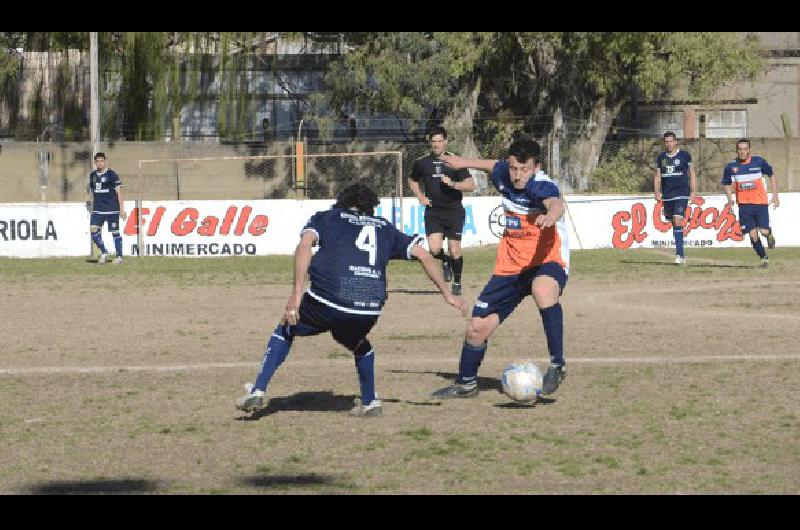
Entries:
{"x":269,"y":177}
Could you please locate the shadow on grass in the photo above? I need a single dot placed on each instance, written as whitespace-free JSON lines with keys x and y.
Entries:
{"x":305,"y":402}
{"x":280,"y":481}
{"x":484,"y":383}
{"x":86,"y":487}
{"x":514,"y":405}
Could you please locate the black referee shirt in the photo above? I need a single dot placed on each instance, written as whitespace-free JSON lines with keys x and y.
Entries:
{"x":429,"y":170}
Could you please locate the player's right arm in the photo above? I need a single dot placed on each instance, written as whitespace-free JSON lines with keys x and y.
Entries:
{"x":434,"y":272}
{"x":727,"y":183}
{"x":302,"y":260}
{"x":414,"y":185}
{"x":657,"y":184}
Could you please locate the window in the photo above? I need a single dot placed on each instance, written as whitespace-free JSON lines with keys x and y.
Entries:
{"x":724,"y":123}
{"x":657,"y":122}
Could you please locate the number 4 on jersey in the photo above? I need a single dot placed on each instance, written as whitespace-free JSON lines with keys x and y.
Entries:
{"x":367,"y":241}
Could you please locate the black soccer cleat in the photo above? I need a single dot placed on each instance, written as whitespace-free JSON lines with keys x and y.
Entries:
{"x":446,"y":272}
{"x":764,"y":262}
{"x":456,"y":290}
{"x":554,"y":376}
{"x":770,"y":240}
{"x":455,"y":391}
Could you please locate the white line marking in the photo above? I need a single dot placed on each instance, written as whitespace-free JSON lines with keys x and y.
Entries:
{"x":395,"y":362}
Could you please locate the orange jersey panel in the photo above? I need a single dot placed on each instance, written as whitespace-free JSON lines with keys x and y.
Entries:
{"x":525,"y":245}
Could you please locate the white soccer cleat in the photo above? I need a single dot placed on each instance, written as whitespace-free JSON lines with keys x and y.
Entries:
{"x":103,"y":258}
{"x":679,"y":260}
{"x":373,"y":409}
{"x":117,"y":260}
{"x":252,"y":401}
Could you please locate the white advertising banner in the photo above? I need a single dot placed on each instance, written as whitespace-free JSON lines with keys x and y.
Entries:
{"x":638,"y":222}
{"x":32,"y":230}
{"x":261,"y":227}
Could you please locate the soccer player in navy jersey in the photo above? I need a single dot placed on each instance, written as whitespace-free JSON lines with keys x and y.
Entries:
{"x":532,"y":260}
{"x":675,"y":186}
{"x":444,"y":212}
{"x":745,"y":177}
{"x":348,"y":289}
{"x":107,"y":206}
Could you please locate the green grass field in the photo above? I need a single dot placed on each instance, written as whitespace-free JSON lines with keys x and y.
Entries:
{"x":121,"y":379}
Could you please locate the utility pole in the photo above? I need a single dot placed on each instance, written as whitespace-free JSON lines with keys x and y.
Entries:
{"x":94,"y":109}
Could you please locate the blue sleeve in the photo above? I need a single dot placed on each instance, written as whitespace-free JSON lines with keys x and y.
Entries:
{"x":415,"y":172}
{"x":766,"y":168}
{"x":541,"y":189}
{"x":402,"y":244}
{"x":117,"y":181}
{"x":688,"y":158}
{"x":315,"y":224}
{"x":499,"y":173}
{"x":726,"y":176}
{"x":658,"y":162}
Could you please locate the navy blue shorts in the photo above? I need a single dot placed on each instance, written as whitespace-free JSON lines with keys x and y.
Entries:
{"x":347,"y":329}
{"x":504,"y":293}
{"x":675,"y":207}
{"x":753,"y":216}
{"x":111,"y":218}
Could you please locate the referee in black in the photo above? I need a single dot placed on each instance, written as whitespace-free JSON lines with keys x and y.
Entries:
{"x":444,"y":213}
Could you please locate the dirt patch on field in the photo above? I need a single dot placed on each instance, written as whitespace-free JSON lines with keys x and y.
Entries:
{"x":673,"y":387}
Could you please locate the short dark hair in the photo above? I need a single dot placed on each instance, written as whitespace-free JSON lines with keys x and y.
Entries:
{"x":524,"y":147}
{"x":670,"y":133}
{"x":357,"y":196}
{"x":437,"y":130}
{"x":743,"y":141}
{"x":100,"y":154}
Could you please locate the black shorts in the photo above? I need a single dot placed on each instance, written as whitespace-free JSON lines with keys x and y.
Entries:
{"x":448,"y":221}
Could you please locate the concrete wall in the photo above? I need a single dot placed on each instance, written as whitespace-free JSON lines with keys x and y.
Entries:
{"x":70,"y":163}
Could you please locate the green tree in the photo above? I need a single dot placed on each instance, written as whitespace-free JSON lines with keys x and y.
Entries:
{"x":567,"y":85}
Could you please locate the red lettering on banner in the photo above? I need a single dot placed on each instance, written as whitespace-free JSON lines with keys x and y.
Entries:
{"x":259,"y":225}
{"x":153,"y":228}
{"x":184,"y":222}
{"x":242,"y":220}
{"x":728,"y":227}
{"x":638,"y":216}
{"x":661,"y":226}
{"x":130,"y":226}
{"x":230,"y":214}
{"x":209,"y":226}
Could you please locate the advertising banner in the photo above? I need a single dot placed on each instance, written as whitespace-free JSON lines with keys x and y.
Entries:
{"x":261,"y":227}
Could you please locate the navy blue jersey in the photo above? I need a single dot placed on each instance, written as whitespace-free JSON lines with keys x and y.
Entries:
{"x":104,"y":191}
{"x":674,"y":175}
{"x":348,"y":272}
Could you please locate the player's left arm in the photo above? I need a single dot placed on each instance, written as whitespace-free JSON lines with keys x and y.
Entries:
{"x":465,"y":182}
{"x":434,"y":271}
{"x":692,"y":183}
{"x":773,"y":184}
{"x":122,"y":213}
{"x":555,"y":209}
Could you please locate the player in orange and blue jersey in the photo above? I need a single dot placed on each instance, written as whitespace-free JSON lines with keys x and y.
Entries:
{"x":745,"y":177}
{"x":532,"y":259}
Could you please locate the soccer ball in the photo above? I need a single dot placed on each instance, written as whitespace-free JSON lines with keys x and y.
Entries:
{"x":522,"y":381}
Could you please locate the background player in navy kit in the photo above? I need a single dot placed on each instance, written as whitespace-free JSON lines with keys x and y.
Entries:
{"x":107,"y":206}
{"x":675,"y":185}
{"x":348,"y":288}
{"x":444,"y":213}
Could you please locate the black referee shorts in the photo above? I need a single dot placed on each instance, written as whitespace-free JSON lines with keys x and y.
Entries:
{"x":448,"y":221}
